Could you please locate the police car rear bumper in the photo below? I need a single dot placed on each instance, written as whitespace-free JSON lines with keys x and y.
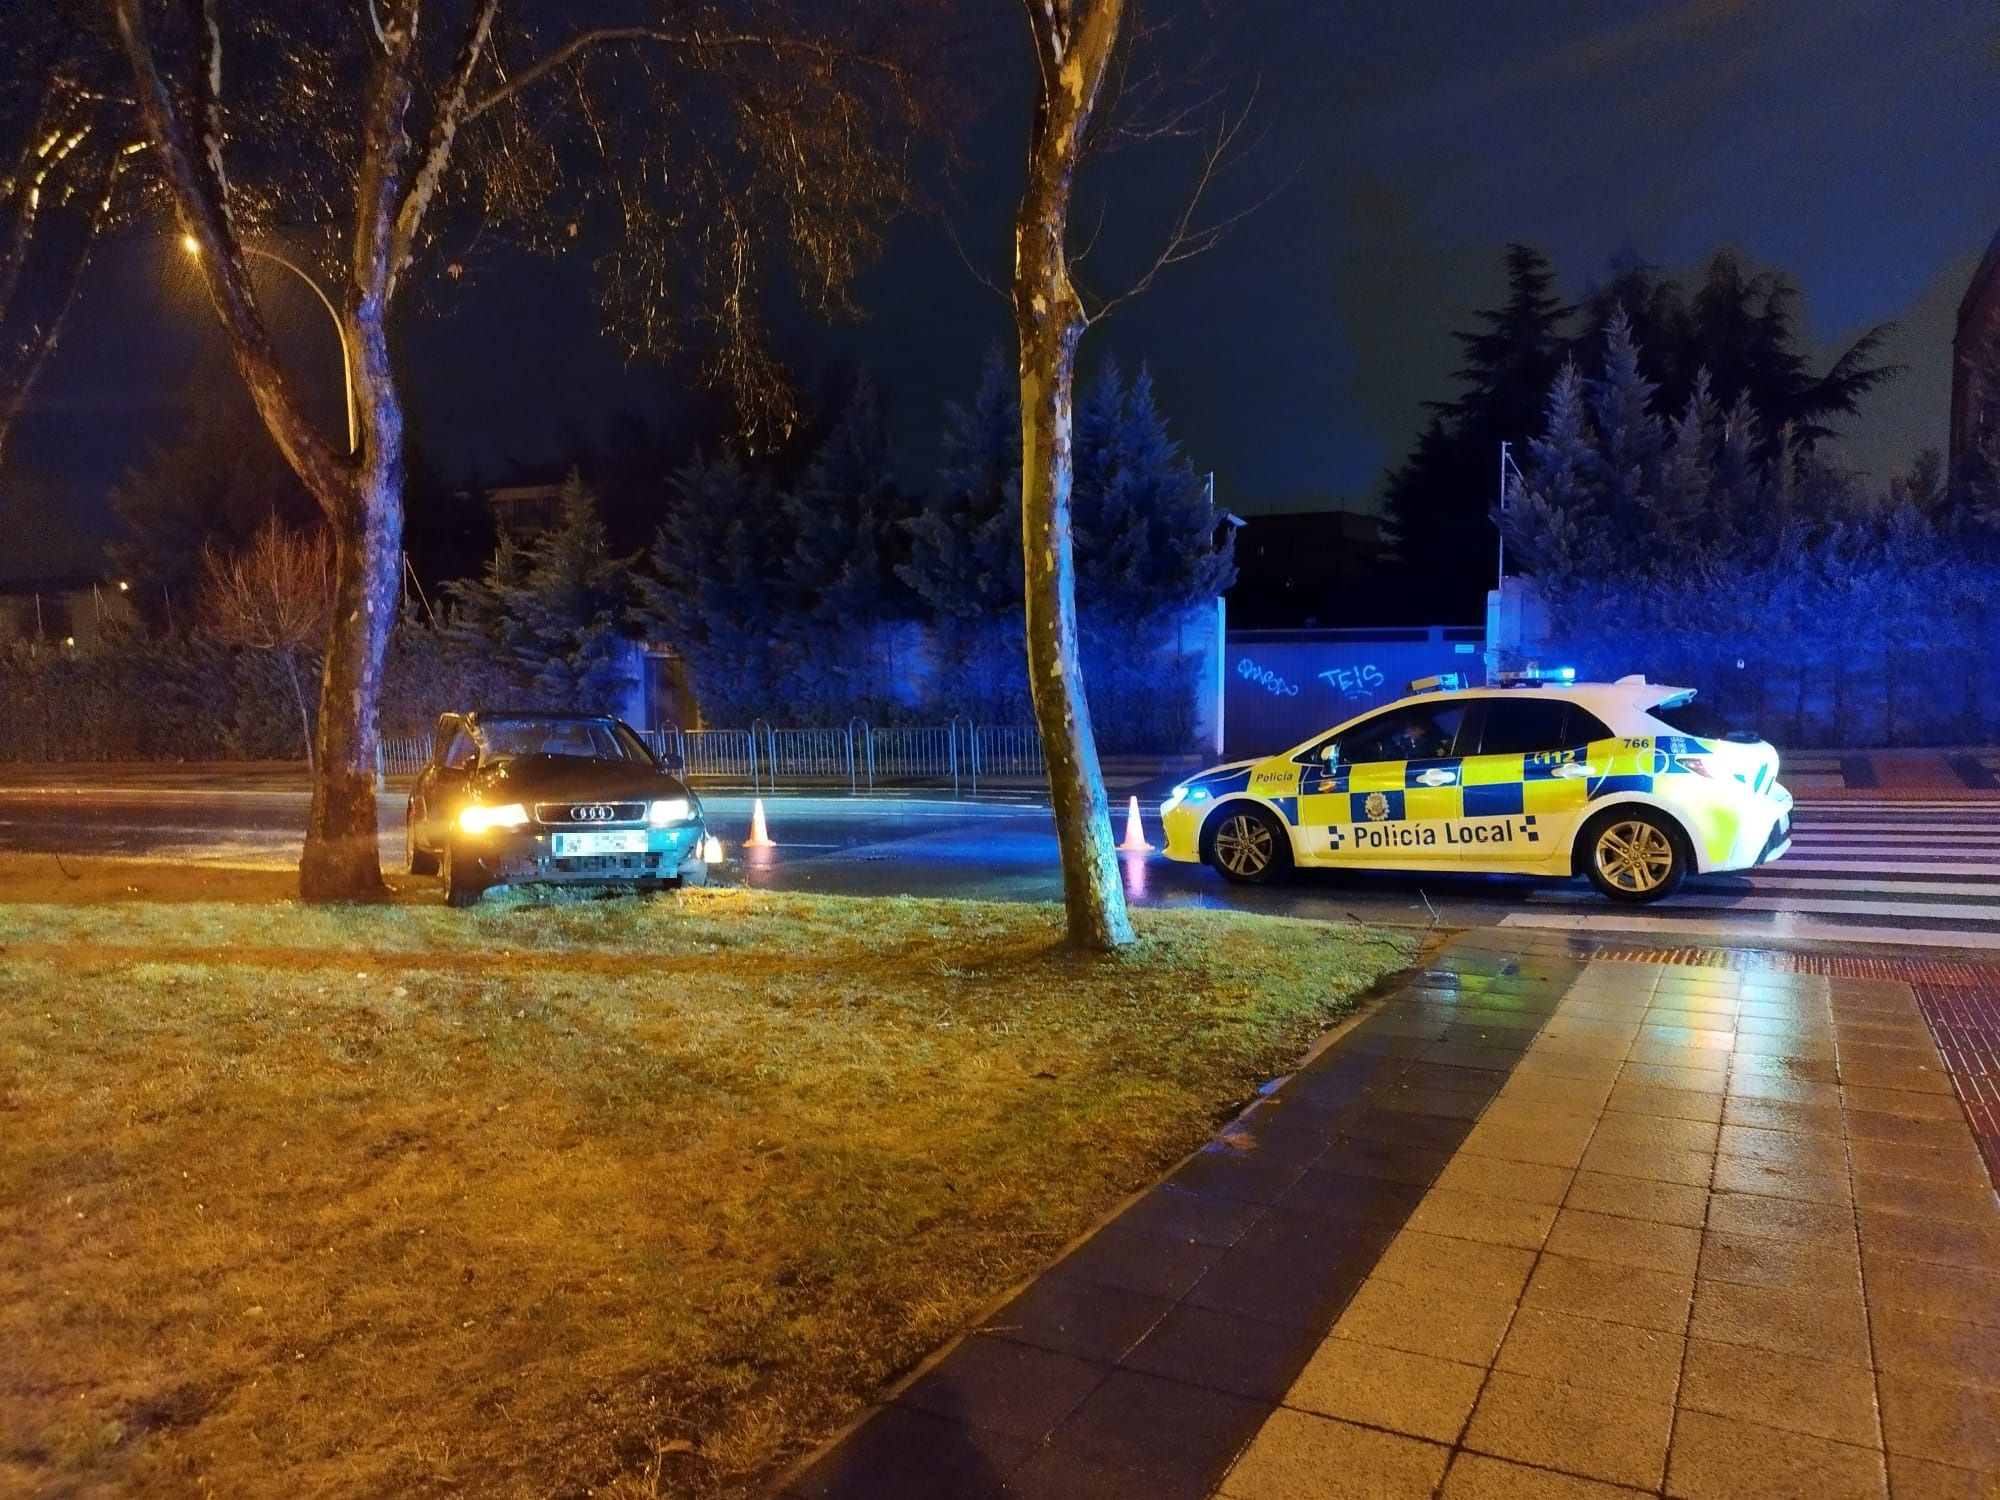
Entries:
{"x":1779,"y":844}
{"x":1764,"y":834}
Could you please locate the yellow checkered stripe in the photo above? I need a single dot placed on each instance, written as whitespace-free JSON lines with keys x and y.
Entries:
{"x":1482,"y":786}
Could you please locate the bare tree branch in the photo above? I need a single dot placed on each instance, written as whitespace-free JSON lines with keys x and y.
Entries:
{"x":451,"y":114}
{"x":951,"y":232}
{"x":379,"y":198}
{"x":275,"y":596}
{"x":1189,"y":238}
{"x":688,"y":41}
{"x":201,"y":194}
{"x":30,"y":355}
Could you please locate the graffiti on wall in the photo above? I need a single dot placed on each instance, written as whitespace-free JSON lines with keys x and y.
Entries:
{"x":1358,"y":683}
{"x":1266,"y":679}
{"x":1354,"y":682}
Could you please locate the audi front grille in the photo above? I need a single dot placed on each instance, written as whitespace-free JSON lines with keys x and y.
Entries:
{"x":589,"y":814}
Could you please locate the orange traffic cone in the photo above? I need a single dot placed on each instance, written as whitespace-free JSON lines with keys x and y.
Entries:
{"x":711,"y":850}
{"x":1135,"y":833}
{"x":760,"y":836}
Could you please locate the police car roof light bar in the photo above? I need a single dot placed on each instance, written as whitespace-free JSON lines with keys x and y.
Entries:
{"x":1528,"y":676}
{"x":1444,"y":682}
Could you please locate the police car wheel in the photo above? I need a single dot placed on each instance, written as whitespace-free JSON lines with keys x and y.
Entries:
{"x":1247,"y":845}
{"x":1634,"y":856}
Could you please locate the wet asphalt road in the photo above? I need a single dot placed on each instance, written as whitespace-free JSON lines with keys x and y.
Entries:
{"x":997,"y":850}
{"x":1917,"y":873}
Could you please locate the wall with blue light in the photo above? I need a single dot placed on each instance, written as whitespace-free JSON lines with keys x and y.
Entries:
{"x":1281,"y":687}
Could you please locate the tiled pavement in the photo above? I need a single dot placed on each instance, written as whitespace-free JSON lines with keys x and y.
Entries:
{"x":1548,"y":1223}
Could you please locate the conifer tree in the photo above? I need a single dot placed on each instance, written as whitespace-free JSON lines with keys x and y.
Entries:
{"x":1178,"y":559}
{"x":965,"y":542}
{"x":1100,"y":418}
{"x":1679,"y":511}
{"x":1630,"y":435}
{"x":1734,"y":487}
{"x":553,"y":611}
{"x":847,"y":515}
{"x":1438,"y":500}
{"x":479,"y":626}
{"x":1554,"y":518}
{"x":1742,"y":329}
{"x":719,"y":593}
{"x":576,"y":599}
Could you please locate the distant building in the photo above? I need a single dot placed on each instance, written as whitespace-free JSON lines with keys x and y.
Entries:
{"x":71,"y":611}
{"x":528,"y":501}
{"x":1307,"y":568}
{"x":1978,"y":324}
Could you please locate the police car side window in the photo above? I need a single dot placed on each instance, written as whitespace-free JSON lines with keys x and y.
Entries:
{"x":1522,"y":726}
{"x":1419,"y":732}
{"x":1584,"y":727}
{"x":1519,"y":726}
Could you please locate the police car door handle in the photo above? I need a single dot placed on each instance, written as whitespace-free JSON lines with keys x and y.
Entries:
{"x":1437,"y":778}
{"x":1569,"y":770}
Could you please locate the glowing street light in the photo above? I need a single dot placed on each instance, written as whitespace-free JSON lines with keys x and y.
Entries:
{"x":192,"y":247}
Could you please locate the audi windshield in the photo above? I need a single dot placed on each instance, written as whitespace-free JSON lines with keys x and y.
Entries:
{"x":575,"y":739}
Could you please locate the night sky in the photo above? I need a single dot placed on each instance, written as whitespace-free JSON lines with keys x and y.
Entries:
{"x":1848,"y":143}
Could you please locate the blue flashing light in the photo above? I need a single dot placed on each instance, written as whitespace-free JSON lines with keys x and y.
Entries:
{"x":1529,"y":676}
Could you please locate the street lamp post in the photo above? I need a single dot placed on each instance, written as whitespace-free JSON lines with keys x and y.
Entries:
{"x":193,"y":247}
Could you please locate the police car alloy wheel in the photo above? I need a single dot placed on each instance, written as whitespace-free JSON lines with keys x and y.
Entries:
{"x":1633,"y":856}
{"x":1248,"y":845}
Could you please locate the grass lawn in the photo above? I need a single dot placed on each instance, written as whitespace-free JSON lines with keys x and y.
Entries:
{"x":613,"y":1197}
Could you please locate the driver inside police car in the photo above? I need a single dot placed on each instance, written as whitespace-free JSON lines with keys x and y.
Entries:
{"x":1418,"y":737}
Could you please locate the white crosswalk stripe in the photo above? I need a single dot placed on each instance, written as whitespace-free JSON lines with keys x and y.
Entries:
{"x":1864,"y":870}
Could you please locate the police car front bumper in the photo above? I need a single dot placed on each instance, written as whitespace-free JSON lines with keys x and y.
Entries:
{"x":1180,"y":819}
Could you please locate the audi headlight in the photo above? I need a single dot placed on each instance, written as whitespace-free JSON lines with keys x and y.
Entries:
{"x":478,"y":819}
{"x":669,"y":810}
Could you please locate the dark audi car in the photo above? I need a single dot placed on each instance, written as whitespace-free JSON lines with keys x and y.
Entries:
{"x":550,"y":799}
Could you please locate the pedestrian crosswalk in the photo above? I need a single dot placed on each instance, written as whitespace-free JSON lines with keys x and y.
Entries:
{"x":1875,"y":869}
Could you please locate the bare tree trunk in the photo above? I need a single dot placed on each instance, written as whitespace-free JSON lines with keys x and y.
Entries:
{"x":1074,"y":43}
{"x":341,"y":860}
{"x":299,"y":698}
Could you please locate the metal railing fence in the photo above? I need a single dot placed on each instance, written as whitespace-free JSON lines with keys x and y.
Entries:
{"x":858,"y":756}
{"x":401,"y":754}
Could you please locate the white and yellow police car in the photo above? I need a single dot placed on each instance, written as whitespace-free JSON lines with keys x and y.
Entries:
{"x":1630,"y":783}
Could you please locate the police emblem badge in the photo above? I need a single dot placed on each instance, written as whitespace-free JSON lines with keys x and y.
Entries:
{"x":1377,"y":807}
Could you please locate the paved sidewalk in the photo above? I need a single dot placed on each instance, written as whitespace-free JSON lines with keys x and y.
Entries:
{"x":1553,"y":1221}
{"x":1721,"y":1234}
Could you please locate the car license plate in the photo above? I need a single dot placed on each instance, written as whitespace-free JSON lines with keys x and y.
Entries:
{"x":610,"y":841}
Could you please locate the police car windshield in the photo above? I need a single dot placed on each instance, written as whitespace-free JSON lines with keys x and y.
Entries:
{"x":582,"y":739}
